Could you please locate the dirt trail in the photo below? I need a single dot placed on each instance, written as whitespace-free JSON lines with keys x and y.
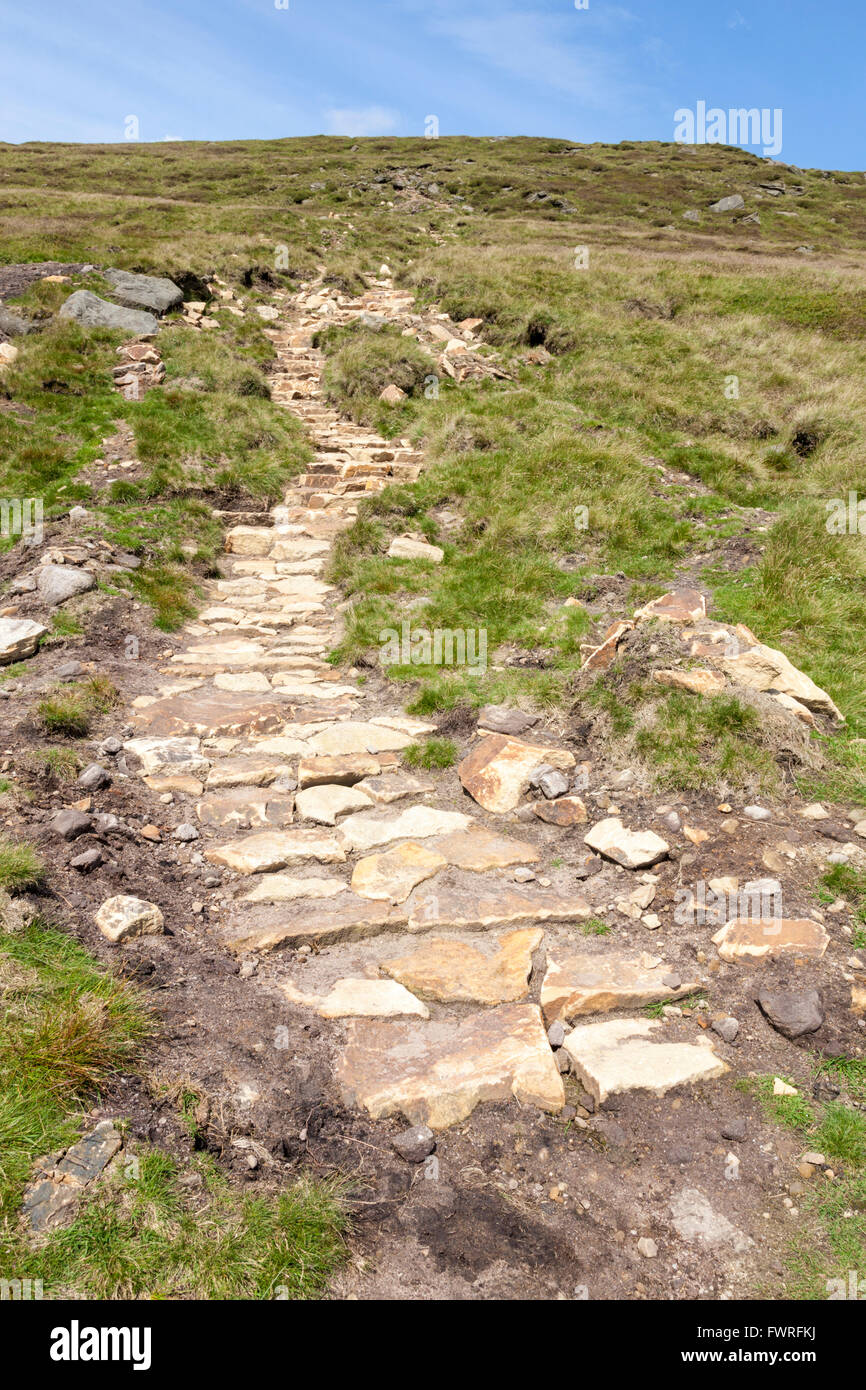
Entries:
{"x":375,"y":949}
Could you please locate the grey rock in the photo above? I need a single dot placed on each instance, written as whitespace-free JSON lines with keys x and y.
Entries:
{"x":25,"y":585}
{"x":692,"y":215}
{"x":372,"y":321}
{"x":93,"y":312}
{"x":792,"y":1012}
{"x":563,"y":1061}
{"x":90,"y":859}
{"x":556,"y":1034}
{"x":52,"y":1200}
{"x":93,"y":777}
{"x":757,"y":813}
{"x":185,"y":832}
{"x":19,"y":638}
{"x":672,"y":980}
{"x":735,"y":1129}
{"x":729,"y":204}
{"x":58,"y":583}
{"x":415,"y":1144}
{"x":68,"y":670}
{"x":144,"y":291}
{"x":502,"y":720}
{"x":13,"y":325}
{"x":105,"y":823}
{"x":537,"y":773}
{"x":111,"y":746}
{"x":553,"y":784}
{"x":70,"y":824}
{"x":727,"y":1029}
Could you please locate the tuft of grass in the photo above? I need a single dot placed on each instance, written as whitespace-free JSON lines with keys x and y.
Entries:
{"x":157,"y":1230}
{"x":70,"y":711}
{"x":20,"y":866}
{"x":595,"y":927}
{"x":435,"y":753}
{"x":63,"y":764}
{"x":793,"y":1112}
{"x":61,"y":1037}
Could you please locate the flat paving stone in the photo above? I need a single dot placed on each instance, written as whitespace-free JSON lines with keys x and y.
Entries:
{"x":496,"y":772}
{"x":631,"y":1054}
{"x":257,"y":854}
{"x":450,"y":970}
{"x":436,"y":1073}
{"x":359,"y":998}
{"x":590,"y":982}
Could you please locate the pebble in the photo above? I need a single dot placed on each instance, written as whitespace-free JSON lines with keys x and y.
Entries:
{"x":757,"y":813}
{"x":556,"y":1034}
{"x":647,"y":1247}
{"x":415,"y":1144}
{"x":727,"y":1028}
{"x":185,"y":832}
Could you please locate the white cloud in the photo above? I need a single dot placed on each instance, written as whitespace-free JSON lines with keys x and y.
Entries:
{"x":362,"y":120}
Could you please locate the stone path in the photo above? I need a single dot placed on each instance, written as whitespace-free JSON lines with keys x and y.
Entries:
{"x":341,"y":858}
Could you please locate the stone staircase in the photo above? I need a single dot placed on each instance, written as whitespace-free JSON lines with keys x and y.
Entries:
{"x":330,"y":856}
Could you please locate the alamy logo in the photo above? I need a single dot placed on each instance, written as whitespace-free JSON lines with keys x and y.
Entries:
{"x":738,"y":126}
{"x":77,"y":1343}
{"x":442,"y":647}
{"x":845,"y":518}
{"x":20,"y":1290}
{"x":21,"y":516}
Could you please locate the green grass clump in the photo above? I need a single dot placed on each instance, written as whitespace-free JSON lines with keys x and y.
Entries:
{"x":70,"y":711}
{"x":20,"y":866}
{"x":147,"y":1234}
{"x":434,"y":753}
{"x":364,"y":362}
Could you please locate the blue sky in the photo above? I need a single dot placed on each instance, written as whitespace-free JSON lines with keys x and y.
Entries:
{"x":231,"y":69}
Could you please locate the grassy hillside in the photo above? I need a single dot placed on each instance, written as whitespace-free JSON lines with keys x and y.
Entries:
{"x":703,"y":395}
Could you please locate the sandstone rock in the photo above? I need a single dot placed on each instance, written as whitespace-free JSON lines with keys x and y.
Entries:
{"x":392,"y":876}
{"x":394,"y":786}
{"x":19,"y":638}
{"x":254,"y":770}
{"x":392,"y":395}
{"x":491,"y":904}
{"x":93,"y":312}
{"x":360,"y":998}
{"x":792,"y":1012}
{"x":246,"y":808}
{"x":568,"y":810}
{"x":144,"y":291}
{"x":257,"y":854}
{"x":352,"y":920}
{"x":602,"y":657}
{"x":595,"y":982}
{"x":478,"y":849}
{"x":447,"y":970}
{"x":763,"y":668}
{"x":405,"y":548}
{"x":367,"y":829}
{"x":177,"y":757}
{"x":754,"y":939}
{"x":623,"y":1055}
{"x":323,"y":804}
{"x":282,"y":888}
{"x":123,"y":917}
{"x":58,"y":583}
{"x":631,"y":848}
{"x":436,"y":1073}
{"x":497,"y":770}
{"x":698,"y":680}
{"x":352,"y":736}
{"x":679,"y":606}
{"x":345,"y":771}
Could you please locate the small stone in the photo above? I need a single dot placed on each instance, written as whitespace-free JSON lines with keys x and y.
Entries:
{"x":553,"y":784}
{"x":727,"y":1028}
{"x":792,"y":1012}
{"x":90,"y":859}
{"x":152,"y":833}
{"x":93,"y":777}
{"x":406,"y":548}
{"x":123,"y":917}
{"x":735,"y":1129}
{"x":185,"y":833}
{"x":556,"y":1034}
{"x":647,"y":1248}
{"x":757,"y":813}
{"x":71,"y":824}
{"x":415,"y":1144}
{"x":392,"y":395}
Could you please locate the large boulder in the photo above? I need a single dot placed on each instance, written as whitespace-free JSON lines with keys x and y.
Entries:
{"x":93,"y":312}
{"x":144,"y":291}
